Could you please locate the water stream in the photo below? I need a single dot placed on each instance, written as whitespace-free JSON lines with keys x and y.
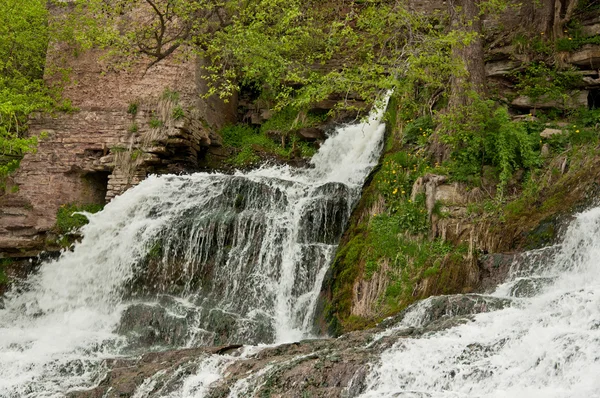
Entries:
{"x":545,"y":344}
{"x":185,"y":261}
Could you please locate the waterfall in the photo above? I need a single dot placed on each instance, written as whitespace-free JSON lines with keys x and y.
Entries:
{"x":184,"y":261}
{"x":545,"y":344}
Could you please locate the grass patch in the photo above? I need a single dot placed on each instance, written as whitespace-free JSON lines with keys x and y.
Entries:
{"x":252,"y":144}
{"x":132,"y":109}
{"x":155,"y":122}
{"x":178,"y":113}
{"x":68,"y":222}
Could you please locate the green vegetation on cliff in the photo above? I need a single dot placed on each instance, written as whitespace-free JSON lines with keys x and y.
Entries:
{"x":24,"y":32}
{"x":69,"y":218}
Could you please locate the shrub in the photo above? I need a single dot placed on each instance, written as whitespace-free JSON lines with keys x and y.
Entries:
{"x":155,"y":122}
{"x":133,"y":108}
{"x":483,"y":134}
{"x":177,"y":113}
{"x":67,"y":221}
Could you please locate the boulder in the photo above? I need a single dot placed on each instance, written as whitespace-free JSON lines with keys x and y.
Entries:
{"x":547,"y":133}
{"x":311,"y":134}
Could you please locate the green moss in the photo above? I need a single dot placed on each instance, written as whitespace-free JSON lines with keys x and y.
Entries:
{"x":66,"y":219}
{"x":118,"y":149}
{"x":155,"y":252}
{"x":4,"y":262}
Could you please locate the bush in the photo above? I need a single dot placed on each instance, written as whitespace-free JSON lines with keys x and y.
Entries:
{"x":483,"y":134}
{"x":68,"y":222}
{"x":177,"y":113}
{"x":133,"y":108}
{"x":155,"y":123}
{"x":540,"y":80}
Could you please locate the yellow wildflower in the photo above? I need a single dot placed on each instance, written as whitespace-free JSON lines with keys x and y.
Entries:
{"x":395,"y":191}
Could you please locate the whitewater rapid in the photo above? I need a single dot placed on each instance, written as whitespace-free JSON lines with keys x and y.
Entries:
{"x":253,"y":232}
{"x":544,"y":346}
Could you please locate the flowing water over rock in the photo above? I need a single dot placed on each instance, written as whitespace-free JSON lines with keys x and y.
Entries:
{"x":537,"y":335}
{"x":186,"y":261}
{"x":546,"y":344}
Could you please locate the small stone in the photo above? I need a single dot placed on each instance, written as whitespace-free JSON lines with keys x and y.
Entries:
{"x":547,"y":133}
{"x":545,"y":150}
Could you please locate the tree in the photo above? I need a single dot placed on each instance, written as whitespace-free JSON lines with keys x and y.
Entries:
{"x":24,"y":32}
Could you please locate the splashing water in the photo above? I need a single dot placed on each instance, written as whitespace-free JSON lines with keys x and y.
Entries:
{"x":216,"y":258}
{"x":546,"y":345}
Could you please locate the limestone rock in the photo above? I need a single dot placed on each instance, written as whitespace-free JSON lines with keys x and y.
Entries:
{"x":587,"y":56}
{"x":548,"y":132}
{"x":575,"y":99}
{"x":311,"y":134}
{"x":501,"y":68}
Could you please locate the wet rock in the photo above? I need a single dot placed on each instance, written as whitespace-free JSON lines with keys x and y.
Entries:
{"x":442,"y":312}
{"x":497,"y":268}
{"x":153,"y":325}
{"x":166,"y":369}
{"x":311,"y":134}
{"x":324,"y":220}
{"x":529,"y":287}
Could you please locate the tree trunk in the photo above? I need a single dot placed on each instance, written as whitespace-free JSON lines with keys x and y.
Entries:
{"x":465,"y":16}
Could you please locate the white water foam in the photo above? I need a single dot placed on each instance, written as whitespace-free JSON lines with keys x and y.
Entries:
{"x":546,"y":346}
{"x":55,"y":335}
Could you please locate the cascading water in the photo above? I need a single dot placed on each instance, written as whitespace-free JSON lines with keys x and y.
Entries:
{"x":546,"y":343}
{"x":186,"y":261}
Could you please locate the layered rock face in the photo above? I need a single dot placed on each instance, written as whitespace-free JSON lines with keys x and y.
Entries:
{"x":123,"y":126}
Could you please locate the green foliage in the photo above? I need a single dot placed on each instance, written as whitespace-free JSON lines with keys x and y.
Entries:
{"x":133,"y":128}
{"x":24,"y":32}
{"x":155,"y":252}
{"x":575,"y":38}
{"x":136,"y":154}
{"x":67,"y":219}
{"x":483,"y":134}
{"x":284,"y":47}
{"x":118,"y":149}
{"x":250,"y":142}
{"x":417,"y":132}
{"x":132,"y":109}
{"x":170,"y":95}
{"x":236,"y":135}
{"x":541,"y":81}
{"x":289,"y":119}
{"x":155,"y":122}
{"x":4,"y":262}
{"x":177,"y":113}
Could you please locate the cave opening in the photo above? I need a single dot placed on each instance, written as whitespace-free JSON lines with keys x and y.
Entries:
{"x":594,"y":99}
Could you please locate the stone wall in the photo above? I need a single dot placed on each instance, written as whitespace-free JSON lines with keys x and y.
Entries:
{"x":124,"y":125}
